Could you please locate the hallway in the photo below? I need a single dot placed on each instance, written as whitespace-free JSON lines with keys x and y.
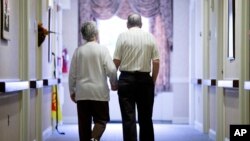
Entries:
{"x":163,"y":132}
{"x":208,"y":66}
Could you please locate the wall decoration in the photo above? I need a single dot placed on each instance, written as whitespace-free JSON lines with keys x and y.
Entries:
{"x":231,"y":30}
{"x":42,"y":33}
{"x":5,"y":18}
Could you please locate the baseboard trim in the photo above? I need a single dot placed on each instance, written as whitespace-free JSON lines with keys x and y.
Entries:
{"x":70,"y":120}
{"x":47,"y":133}
{"x":180,"y":120}
{"x":212,"y":134}
{"x":198,"y":126}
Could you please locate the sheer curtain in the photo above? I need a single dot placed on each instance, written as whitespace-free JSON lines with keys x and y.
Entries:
{"x":161,"y":19}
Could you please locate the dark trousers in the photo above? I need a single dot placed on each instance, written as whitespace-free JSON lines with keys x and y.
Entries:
{"x":136,"y":90}
{"x":88,"y":110}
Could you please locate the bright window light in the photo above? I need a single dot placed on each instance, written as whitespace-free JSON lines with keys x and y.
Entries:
{"x":110,"y":29}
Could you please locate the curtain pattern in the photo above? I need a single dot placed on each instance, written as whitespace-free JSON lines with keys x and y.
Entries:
{"x":162,"y":83}
{"x":147,"y":8}
{"x":124,"y":10}
{"x":104,"y":9}
{"x":161,"y":19}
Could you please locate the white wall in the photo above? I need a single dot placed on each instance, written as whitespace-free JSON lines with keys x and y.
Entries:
{"x":9,"y":50}
{"x":70,"y":41}
{"x":179,"y":61}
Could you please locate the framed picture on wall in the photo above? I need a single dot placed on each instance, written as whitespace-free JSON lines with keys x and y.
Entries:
{"x":5,"y":19}
{"x":231,"y":30}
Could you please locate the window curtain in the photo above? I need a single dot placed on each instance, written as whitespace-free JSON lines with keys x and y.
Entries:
{"x":161,"y":20}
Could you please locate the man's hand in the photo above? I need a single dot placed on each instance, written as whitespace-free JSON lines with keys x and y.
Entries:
{"x":156,"y":66}
{"x":114,"y":87}
{"x":73,"y":97}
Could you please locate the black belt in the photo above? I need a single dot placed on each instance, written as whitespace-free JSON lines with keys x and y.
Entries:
{"x":135,"y":72}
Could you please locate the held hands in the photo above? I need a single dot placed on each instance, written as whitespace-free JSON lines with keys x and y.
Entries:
{"x":114,"y":87}
{"x":73,"y":97}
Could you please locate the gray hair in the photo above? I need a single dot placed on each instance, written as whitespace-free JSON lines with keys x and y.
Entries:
{"x":89,"y":31}
{"x":134,"y":20}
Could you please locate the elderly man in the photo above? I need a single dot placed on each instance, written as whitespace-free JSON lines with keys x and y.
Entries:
{"x":134,"y":53}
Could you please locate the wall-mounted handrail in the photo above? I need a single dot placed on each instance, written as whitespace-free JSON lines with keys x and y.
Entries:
{"x":52,"y":81}
{"x":228,"y":83}
{"x":247,"y":85}
{"x":197,"y":81}
{"x":36,"y":83}
{"x":18,"y":85}
{"x":209,"y":82}
{"x":12,"y":86}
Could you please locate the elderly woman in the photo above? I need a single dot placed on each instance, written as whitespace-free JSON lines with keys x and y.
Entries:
{"x":90,"y":67}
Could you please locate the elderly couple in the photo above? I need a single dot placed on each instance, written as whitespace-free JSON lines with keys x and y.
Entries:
{"x":92,"y":65}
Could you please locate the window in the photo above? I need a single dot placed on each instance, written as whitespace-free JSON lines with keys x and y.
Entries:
{"x":110,"y":29}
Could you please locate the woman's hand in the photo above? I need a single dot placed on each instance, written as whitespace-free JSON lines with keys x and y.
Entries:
{"x":73,"y":97}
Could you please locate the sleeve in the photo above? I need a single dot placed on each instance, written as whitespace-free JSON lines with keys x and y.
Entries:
{"x":109,"y":67}
{"x":72,"y":73}
{"x":117,"y":52}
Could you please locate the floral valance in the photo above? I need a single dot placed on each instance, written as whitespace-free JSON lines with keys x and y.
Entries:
{"x":158,"y":11}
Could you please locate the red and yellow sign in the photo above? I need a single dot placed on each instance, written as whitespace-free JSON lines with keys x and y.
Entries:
{"x":56,"y":111}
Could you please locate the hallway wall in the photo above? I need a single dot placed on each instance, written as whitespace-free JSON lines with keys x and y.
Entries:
{"x":180,"y":62}
{"x":9,"y":49}
{"x":9,"y":55}
{"x":70,"y":41}
{"x":25,"y":108}
{"x":218,"y":91}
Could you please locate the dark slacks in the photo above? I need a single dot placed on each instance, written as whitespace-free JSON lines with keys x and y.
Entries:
{"x":88,"y":110}
{"x":136,"y":90}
